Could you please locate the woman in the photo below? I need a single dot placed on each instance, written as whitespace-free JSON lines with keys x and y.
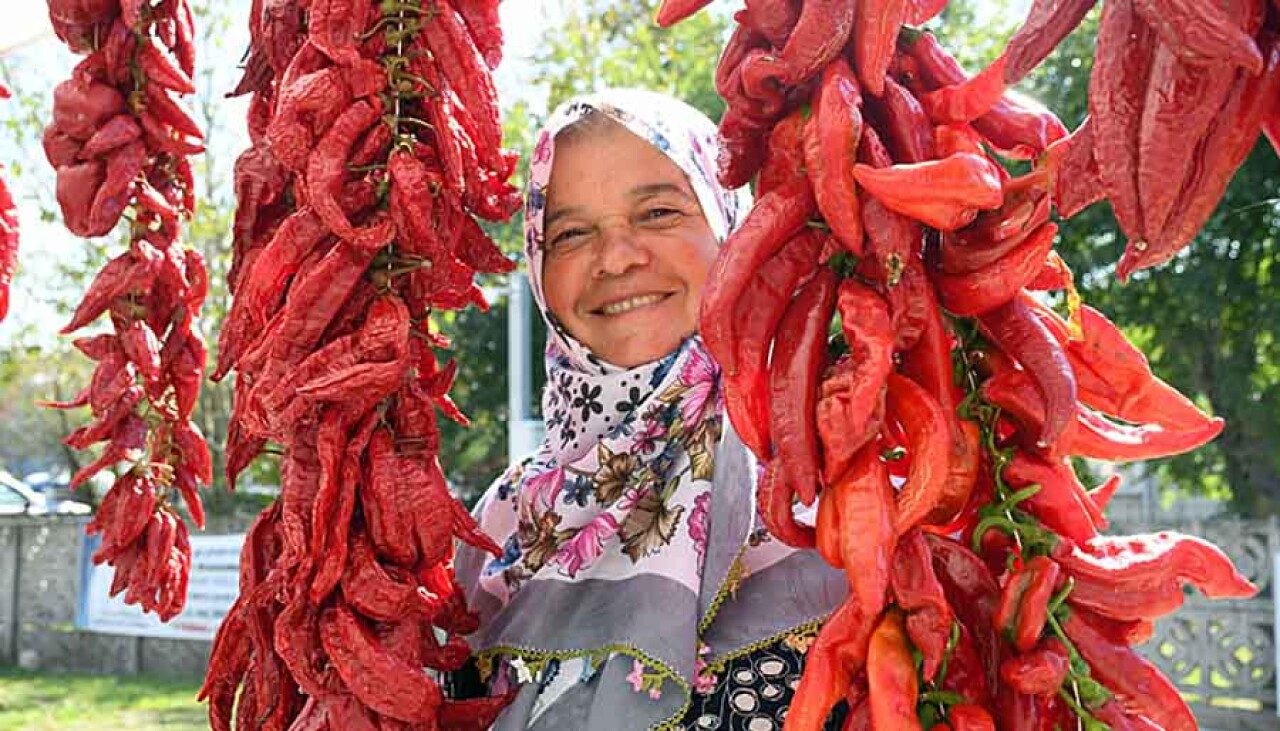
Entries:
{"x":637,"y":588}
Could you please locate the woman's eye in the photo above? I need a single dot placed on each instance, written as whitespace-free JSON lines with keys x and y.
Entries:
{"x":660,"y":213}
{"x":567,"y":238}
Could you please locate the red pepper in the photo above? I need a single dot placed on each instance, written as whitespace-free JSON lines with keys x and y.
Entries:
{"x":820,"y":33}
{"x":671,"y":12}
{"x":743,"y":39}
{"x":798,"y":356}
{"x":1071,"y":162}
{"x":928,"y":362}
{"x":830,"y":152}
{"x":892,"y":242}
{"x":970,"y":717}
{"x":1135,"y":680}
{"x":1126,"y":386}
{"x":929,"y":432}
{"x":1039,"y":671}
{"x":774,"y":19}
{"x":891,"y":675}
{"x":985,"y":289}
{"x":776,"y":499}
{"x":385,"y":684}
{"x":758,"y":313}
{"x":905,"y":124}
{"x":917,"y":591}
{"x":1102,"y":494}
{"x":774,"y":219}
{"x":784,"y":160}
{"x":1025,"y":601}
{"x":974,"y":596}
{"x":874,"y":33}
{"x":945,"y":194}
{"x":484,"y":25}
{"x":1047,"y":23}
{"x":1014,"y":328}
{"x":1141,"y":576}
{"x":1062,"y":503}
{"x":993,"y":234}
{"x":1092,"y":435}
{"x":1054,"y":276}
{"x":958,"y":137}
{"x":1114,"y":714}
{"x":1100,"y":438}
{"x":1115,"y":108}
{"x":865,"y":499}
{"x":968,"y":100}
{"x":1181,"y":102}
{"x":326,"y":169}
{"x":851,"y":399}
{"x":920,"y":12}
{"x":836,"y":654}
{"x":827,"y":528}
{"x":1018,"y":130}
{"x":1021,"y":712}
{"x":156,"y":66}
{"x":909,"y":303}
{"x":965,"y":672}
{"x":1201,"y":35}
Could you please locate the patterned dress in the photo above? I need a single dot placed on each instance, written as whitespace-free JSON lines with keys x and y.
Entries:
{"x":754,"y":691}
{"x":750,"y":693}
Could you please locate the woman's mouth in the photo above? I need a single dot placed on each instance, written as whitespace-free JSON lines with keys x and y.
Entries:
{"x":631,"y":303}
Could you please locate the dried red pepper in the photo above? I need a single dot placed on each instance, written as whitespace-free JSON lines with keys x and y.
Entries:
{"x":945,"y":194}
{"x":831,"y":145}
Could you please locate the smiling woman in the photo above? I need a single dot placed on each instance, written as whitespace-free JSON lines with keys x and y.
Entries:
{"x":635,"y":588}
{"x":627,"y":248}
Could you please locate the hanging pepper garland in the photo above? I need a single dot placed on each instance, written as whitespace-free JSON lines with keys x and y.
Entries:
{"x":376,"y":140}
{"x":121,"y":145}
{"x":8,"y":235}
{"x":982,"y":591}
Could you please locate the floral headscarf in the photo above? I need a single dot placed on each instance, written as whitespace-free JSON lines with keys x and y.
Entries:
{"x":625,"y":533}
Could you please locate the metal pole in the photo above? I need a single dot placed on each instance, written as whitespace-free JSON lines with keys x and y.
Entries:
{"x":519,"y":365}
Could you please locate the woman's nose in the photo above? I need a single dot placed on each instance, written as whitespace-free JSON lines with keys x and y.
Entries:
{"x":620,"y":250}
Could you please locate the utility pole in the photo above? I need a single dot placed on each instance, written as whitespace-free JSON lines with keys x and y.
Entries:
{"x":524,"y":433}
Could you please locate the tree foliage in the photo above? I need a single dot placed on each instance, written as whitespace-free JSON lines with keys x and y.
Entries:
{"x":1209,"y":320}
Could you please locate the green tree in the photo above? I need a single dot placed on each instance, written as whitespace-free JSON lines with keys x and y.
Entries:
{"x":1210,"y":319}
{"x":601,"y":43}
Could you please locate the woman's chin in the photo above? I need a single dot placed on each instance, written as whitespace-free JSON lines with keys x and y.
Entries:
{"x":647,"y":350}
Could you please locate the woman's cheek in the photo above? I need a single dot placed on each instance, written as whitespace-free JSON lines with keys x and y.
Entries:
{"x":563,"y":283}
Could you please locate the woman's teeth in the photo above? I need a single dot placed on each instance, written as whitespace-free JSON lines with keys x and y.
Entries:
{"x":617,"y":308}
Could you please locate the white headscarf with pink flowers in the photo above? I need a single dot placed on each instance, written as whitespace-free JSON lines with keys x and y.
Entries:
{"x":610,"y":544}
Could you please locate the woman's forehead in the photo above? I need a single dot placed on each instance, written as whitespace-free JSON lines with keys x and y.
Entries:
{"x":613,"y":161}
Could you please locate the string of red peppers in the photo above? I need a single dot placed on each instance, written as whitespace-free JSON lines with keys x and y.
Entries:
{"x":8,"y":235}
{"x":375,"y":140}
{"x":121,"y":145}
{"x":936,"y":429}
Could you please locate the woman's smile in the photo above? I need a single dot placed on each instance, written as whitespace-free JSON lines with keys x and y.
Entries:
{"x":631,"y":304}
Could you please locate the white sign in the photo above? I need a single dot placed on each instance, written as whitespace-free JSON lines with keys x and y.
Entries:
{"x":212,"y":590}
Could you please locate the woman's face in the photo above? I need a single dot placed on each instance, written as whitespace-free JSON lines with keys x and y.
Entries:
{"x":627,"y":246}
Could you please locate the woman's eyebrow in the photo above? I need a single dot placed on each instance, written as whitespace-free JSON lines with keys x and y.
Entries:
{"x":551,"y":216}
{"x":652,"y":189}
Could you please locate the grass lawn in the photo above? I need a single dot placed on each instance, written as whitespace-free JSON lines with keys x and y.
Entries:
{"x":46,"y":702}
